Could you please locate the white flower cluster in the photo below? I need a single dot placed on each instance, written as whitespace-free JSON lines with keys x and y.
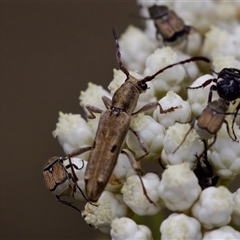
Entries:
{"x":211,"y":213}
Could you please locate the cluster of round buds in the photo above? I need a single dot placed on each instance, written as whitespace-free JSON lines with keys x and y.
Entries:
{"x":201,"y":212}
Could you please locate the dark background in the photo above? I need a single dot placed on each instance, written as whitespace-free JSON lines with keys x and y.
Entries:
{"x":49,"y":51}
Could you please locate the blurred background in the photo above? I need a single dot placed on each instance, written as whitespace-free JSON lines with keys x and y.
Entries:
{"x":49,"y":51}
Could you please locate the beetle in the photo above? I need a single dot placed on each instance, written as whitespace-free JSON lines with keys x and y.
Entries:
{"x":169,"y":25}
{"x":204,"y":171}
{"x":227,"y":86}
{"x":113,"y":126}
{"x":59,"y":180}
{"x":209,"y":122}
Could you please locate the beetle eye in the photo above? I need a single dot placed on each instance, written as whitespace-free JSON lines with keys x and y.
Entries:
{"x":143,"y":85}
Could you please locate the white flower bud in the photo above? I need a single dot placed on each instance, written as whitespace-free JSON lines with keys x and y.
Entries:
{"x":179,"y":187}
{"x":93,"y":96}
{"x":119,"y":77}
{"x":187,"y":151}
{"x":151,"y":134}
{"x":214,"y":207}
{"x":180,"y":114}
{"x":236,"y":208}
{"x":223,"y":233}
{"x":73,"y":132}
{"x":225,"y":153}
{"x":126,"y":229}
{"x":221,"y":61}
{"x":226,"y":43}
{"x":135,"y":48}
{"x":193,"y":43}
{"x":198,"y":97}
{"x":172,"y":78}
{"x":122,"y":170}
{"x":180,"y":226}
{"x":193,"y":13}
{"x":146,"y":4}
{"x":134,"y":197}
{"x":109,"y":206}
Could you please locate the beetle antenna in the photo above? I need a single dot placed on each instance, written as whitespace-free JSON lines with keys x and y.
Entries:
{"x":121,"y":66}
{"x":191,"y":127}
{"x":199,"y":58}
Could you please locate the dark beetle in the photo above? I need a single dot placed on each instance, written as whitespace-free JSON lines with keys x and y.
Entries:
{"x":227,"y":85}
{"x":204,"y":171}
{"x":168,"y":25}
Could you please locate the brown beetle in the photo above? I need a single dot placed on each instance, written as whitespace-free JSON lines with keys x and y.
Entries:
{"x":113,"y":126}
{"x":209,"y":122}
{"x":59,"y":181}
{"x":169,"y":25}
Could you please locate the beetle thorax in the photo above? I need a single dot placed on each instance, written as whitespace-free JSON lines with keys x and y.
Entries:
{"x":228,"y":87}
{"x":126,"y":97}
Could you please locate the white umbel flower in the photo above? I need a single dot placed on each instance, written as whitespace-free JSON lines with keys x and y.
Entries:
{"x":187,"y":151}
{"x":214,"y":207}
{"x":73,"y":132}
{"x":179,"y":187}
{"x":134,"y":197}
{"x":181,"y":114}
{"x":225,"y":153}
{"x":151,"y":134}
{"x":93,"y":96}
{"x":135,"y":48}
{"x":109,"y":206}
{"x":126,"y":229}
{"x":180,"y":226}
{"x":236,"y":209}
{"x":223,"y":233}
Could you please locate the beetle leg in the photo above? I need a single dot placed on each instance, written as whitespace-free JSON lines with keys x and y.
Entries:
{"x":139,"y":172}
{"x":74,"y":178}
{"x":107,"y":102}
{"x":228,"y":131}
{"x":70,"y":204}
{"x":161,"y":164}
{"x":142,"y":144}
{"x":92,"y":109}
{"x":207,"y":82}
{"x":214,"y":139}
{"x":235,"y":115}
{"x":191,"y":127}
{"x":80,"y":151}
{"x":153,"y":105}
